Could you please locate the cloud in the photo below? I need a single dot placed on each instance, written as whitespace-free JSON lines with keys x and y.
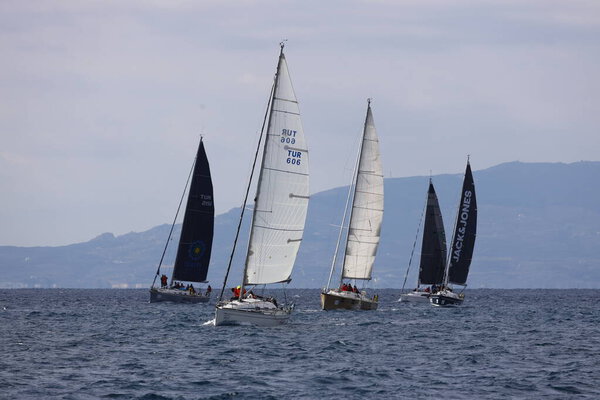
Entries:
{"x":102,"y":104}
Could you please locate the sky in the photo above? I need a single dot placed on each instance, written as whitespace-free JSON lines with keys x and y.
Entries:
{"x":102,"y":103}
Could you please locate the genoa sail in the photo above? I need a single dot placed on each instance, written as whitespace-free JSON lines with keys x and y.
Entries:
{"x":282,"y":193}
{"x":433,"y":248}
{"x":463,"y":241}
{"x":367,"y":207}
{"x":195,"y":243}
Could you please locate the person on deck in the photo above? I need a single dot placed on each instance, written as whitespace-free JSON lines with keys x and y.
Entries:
{"x":208,"y":290}
{"x":163,"y":281}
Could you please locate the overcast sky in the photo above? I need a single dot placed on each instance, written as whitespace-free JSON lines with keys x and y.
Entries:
{"x":102,"y":103}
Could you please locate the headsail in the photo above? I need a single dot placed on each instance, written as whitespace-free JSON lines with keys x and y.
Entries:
{"x":465,"y":231}
{"x":367,"y":207}
{"x":433,"y":248}
{"x":282,"y":194}
{"x":195,"y":243}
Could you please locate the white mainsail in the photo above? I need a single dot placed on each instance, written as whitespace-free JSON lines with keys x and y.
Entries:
{"x":282,"y":194}
{"x":367,"y":208}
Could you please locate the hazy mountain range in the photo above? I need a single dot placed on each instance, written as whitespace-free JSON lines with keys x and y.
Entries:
{"x":539,"y":227}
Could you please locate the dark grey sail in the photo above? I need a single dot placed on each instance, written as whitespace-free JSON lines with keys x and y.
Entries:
{"x":465,"y":231}
{"x":433,"y":248}
{"x":195,"y":243}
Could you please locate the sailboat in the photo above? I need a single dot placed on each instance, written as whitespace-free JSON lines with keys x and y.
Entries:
{"x":195,"y":242}
{"x":463,"y":243}
{"x":279,"y":213}
{"x":366,"y":216}
{"x":433,"y":251}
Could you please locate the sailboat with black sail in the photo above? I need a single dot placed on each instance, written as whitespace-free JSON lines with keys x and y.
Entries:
{"x":195,"y":243}
{"x":433,"y":252}
{"x":279,"y":213}
{"x":461,"y":250}
{"x":364,"y":230}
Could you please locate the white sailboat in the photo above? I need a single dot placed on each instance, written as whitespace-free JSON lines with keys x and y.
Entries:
{"x":364,"y":230}
{"x":279,"y":214}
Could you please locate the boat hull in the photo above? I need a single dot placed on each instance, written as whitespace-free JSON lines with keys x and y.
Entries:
{"x":176,"y":296}
{"x":258,"y":313}
{"x":415,"y":297}
{"x":446,"y":299}
{"x":334,"y":300}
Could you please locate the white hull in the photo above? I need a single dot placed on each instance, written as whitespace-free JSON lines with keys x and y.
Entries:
{"x":415,"y":297}
{"x":250,"y":312}
{"x":176,"y":296}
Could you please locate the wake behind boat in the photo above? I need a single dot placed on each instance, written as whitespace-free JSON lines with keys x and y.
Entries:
{"x":366,"y":216}
{"x":195,"y":242}
{"x":279,"y":212}
{"x":463,"y":244}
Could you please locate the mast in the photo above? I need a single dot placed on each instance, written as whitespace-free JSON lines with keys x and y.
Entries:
{"x":433,"y":248}
{"x":465,"y":229}
{"x":197,"y":229}
{"x":355,"y":178}
{"x":260,"y":176}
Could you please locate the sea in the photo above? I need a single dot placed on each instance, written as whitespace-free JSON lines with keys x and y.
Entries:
{"x":114,"y":344}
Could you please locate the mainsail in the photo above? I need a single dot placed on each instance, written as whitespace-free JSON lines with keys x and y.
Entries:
{"x":433,"y":248}
{"x":463,"y":241}
{"x":367,"y":207}
{"x":282,"y":194}
{"x":195,"y":243}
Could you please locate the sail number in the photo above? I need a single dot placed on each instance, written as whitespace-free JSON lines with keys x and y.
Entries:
{"x":288,"y":136}
{"x":294,"y":157}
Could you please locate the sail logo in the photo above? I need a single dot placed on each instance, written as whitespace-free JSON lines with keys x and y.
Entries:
{"x":196,"y":250}
{"x":461,"y":227}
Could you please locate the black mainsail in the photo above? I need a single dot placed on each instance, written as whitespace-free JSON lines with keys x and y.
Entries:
{"x":195,"y":243}
{"x":433,"y":248}
{"x":463,"y":241}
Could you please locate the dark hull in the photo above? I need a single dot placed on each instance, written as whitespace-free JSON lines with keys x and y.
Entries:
{"x":158,"y":295}
{"x":333,"y":301}
{"x":441,"y":300}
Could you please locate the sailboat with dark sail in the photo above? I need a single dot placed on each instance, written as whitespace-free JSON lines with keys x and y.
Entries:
{"x":433,"y":252}
{"x":279,"y":213}
{"x":195,"y":243}
{"x":364,"y":230}
{"x":461,"y":250}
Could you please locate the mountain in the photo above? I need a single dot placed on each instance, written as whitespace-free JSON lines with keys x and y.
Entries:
{"x":539,"y":227}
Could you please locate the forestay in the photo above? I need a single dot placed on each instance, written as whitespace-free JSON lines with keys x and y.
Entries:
{"x":367,"y":208}
{"x":282,"y":194}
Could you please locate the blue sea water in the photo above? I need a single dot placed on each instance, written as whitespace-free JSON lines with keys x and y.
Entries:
{"x":113,"y":344}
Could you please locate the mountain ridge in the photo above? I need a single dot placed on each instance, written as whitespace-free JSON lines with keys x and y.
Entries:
{"x":538,"y":227}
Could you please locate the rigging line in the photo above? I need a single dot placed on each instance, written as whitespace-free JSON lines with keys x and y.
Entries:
{"x":355,"y":177}
{"x":413,"y":248}
{"x":175,"y":220}
{"x":268,"y":121}
{"x":237,"y":233}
